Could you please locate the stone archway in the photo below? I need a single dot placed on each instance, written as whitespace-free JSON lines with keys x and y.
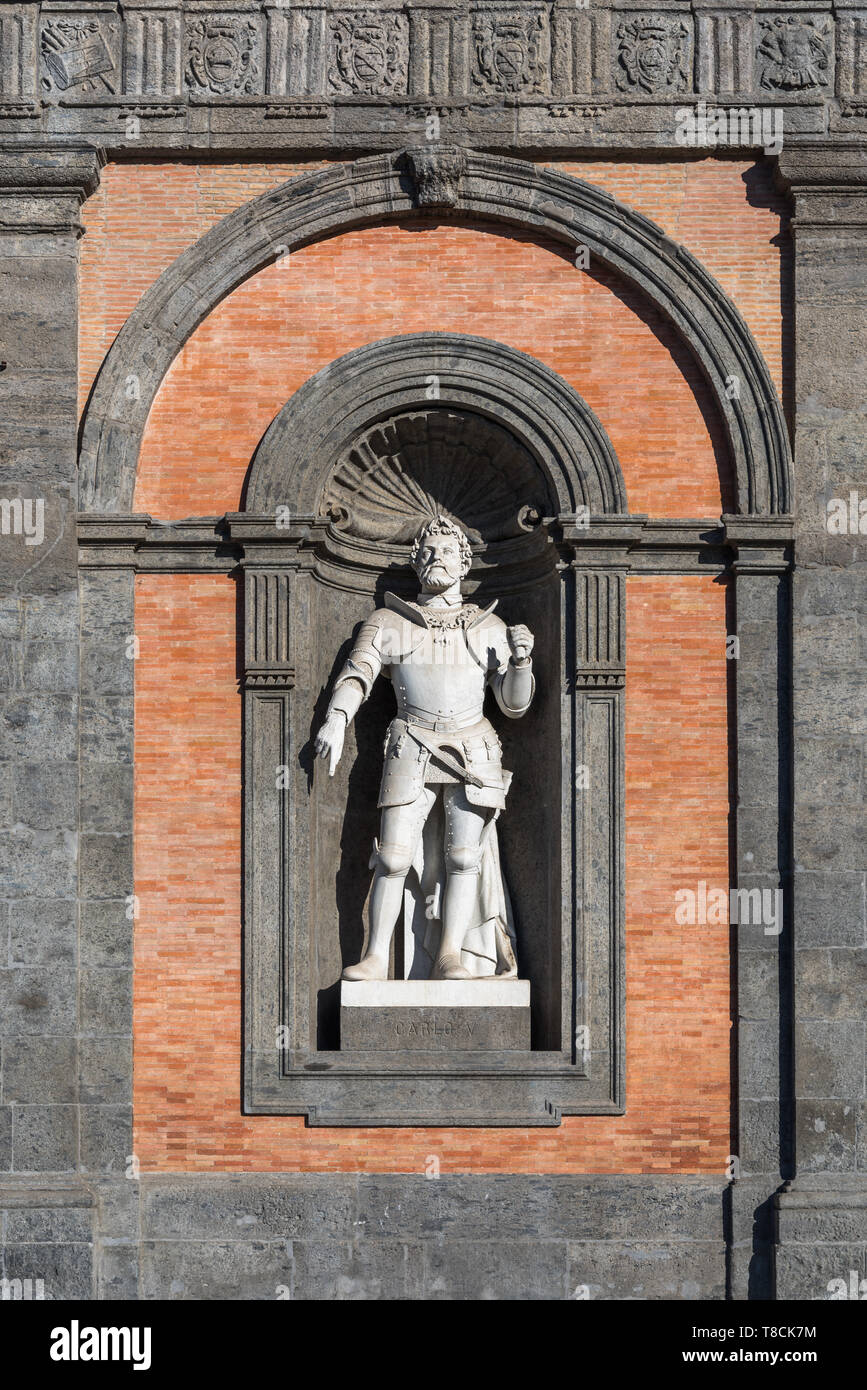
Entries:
{"x":460,"y":184}
{"x":488,"y":380}
{"x":513,"y":193}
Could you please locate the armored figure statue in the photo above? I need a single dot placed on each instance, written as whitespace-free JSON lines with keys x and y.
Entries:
{"x":443,"y":784}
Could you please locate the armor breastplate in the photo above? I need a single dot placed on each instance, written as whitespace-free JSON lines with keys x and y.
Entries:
{"x":440,"y":683}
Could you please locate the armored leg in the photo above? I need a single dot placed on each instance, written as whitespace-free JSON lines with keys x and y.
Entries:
{"x":463,"y":834}
{"x":400,"y":829}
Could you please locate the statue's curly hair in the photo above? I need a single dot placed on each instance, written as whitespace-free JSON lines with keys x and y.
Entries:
{"x":442,"y":526}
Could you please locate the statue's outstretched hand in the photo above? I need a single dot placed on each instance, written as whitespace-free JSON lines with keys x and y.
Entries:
{"x":328,"y":743}
{"x":521,"y":642}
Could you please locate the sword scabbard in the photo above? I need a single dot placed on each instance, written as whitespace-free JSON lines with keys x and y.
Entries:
{"x":449,"y":762}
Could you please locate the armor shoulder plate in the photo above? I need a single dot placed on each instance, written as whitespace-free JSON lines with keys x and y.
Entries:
{"x":393,"y":634}
{"x":488,"y":642}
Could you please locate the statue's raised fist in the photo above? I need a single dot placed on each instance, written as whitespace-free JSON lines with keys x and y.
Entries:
{"x":521,"y":643}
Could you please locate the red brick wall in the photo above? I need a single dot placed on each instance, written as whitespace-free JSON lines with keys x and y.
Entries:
{"x":223,"y":390}
{"x":268,"y":337}
{"x":140,"y":219}
{"x":188,"y":936}
{"x":728,"y":215}
{"x":143,"y":215}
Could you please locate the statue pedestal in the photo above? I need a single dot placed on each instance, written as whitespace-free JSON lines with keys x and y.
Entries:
{"x":435,"y":1015}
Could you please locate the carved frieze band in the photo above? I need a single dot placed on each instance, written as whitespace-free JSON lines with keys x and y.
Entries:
{"x":162,"y":55}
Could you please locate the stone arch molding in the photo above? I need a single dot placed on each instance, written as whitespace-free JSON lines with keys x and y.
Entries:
{"x":364,"y":450}
{"x":295,"y":459}
{"x":458,"y":183}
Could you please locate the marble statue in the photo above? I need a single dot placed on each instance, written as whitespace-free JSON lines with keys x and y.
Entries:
{"x":443,"y":783}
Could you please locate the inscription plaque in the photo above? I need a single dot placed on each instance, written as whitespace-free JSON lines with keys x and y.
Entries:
{"x":434,"y":1016}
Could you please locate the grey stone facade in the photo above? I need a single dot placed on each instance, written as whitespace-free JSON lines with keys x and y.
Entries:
{"x":332,"y":75}
{"x":448,"y":109}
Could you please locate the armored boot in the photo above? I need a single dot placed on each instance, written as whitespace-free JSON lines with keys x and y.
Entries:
{"x":449,"y":968}
{"x":386,"y":900}
{"x":371,"y":968}
{"x":461,"y":888}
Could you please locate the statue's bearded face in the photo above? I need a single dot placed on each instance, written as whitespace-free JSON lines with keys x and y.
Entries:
{"x":439,"y":562}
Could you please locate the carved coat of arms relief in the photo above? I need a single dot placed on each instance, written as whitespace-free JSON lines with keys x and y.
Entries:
{"x":223,"y":55}
{"x":653,"y":55}
{"x":511,"y":52}
{"x":369,"y":54}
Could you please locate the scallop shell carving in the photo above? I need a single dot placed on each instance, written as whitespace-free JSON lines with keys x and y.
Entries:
{"x":406,"y":469}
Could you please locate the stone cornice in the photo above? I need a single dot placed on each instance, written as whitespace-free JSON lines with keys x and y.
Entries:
{"x":759,"y":545}
{"x":825,"y":167}
{"x":828,"y":182}
{"x":42,"y":188}
{"x":636,"y":543}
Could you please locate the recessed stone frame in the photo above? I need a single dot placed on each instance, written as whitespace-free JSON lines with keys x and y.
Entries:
{"x":310,"y":570}
{"x":754,"y":547}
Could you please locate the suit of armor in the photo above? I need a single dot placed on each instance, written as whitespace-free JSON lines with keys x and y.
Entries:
{"x":441,"y":662}
{"x":443,"y":783}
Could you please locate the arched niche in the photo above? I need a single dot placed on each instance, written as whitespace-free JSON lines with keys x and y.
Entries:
{"x":339,"y":485}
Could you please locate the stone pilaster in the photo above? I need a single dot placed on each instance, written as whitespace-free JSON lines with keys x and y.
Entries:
{"x":821,"y":1218}
{"x":41,"y":192}
{"x":760,"y":618}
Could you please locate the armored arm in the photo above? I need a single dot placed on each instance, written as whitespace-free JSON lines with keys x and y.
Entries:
{"x":351,"y":689}
{"x":353,"y":684}
{"x":513,"y":681}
